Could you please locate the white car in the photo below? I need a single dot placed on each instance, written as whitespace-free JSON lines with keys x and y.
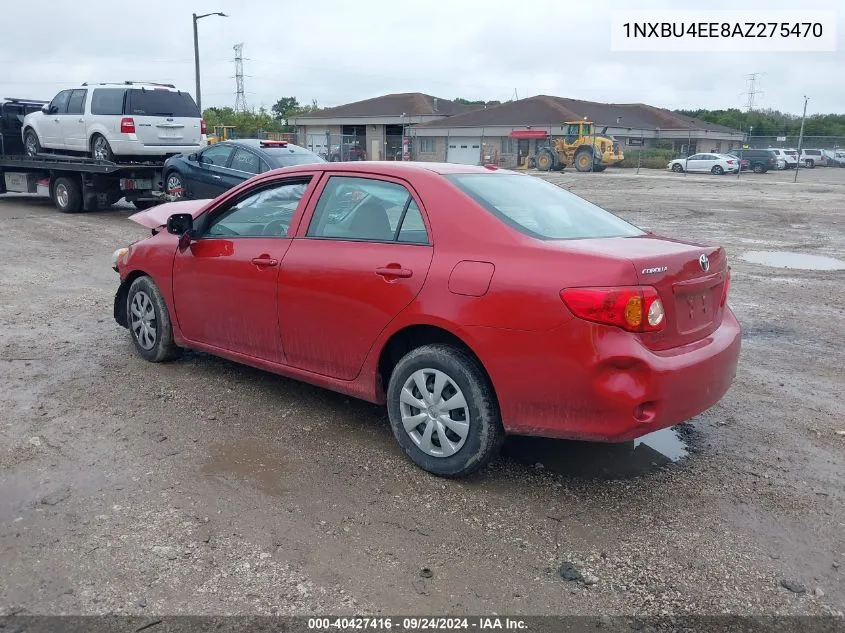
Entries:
{"x":714,"y":163}
{"x":787,"y":158}
{"x":108,"y":120}
{"x":812,"y":157}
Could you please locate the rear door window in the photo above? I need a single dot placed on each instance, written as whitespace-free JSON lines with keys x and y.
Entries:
{"x":76,"y":103}
{"x":166,"y":103}
{"x":244,"y":160}
{"x":107,"y":101}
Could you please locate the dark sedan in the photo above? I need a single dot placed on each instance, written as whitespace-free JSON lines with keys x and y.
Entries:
{"x":221,"y":166}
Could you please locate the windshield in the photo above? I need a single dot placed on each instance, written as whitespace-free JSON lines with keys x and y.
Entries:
{"x":161,"y":103}
{"x":287,"y":156}
{"x":540,"y":209}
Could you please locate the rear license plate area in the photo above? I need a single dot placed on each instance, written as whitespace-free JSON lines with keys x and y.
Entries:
{"x":694,"y":311}
{"x":133,"y":184}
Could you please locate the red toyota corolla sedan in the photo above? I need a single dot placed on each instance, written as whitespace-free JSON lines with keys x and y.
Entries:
{"x":474,"y":302}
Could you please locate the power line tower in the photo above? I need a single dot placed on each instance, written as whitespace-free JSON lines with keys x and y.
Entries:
{"x":752,"y":91}
{"x":240,"y":98}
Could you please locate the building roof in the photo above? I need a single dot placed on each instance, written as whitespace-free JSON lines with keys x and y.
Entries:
{"x":409,"y":103}
{"x":546,"y":110}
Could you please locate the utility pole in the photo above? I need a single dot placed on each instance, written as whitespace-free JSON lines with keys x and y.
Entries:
{"x":197,"y":55}
{"x":801,"y":137}
{"x":240,"y":98}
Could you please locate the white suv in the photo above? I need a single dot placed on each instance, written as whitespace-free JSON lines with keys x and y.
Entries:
{"x":110,"y":120}
{"x":787,"y":158}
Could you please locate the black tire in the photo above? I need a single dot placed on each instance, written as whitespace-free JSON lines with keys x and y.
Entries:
{"x":677,"y":168}
{"x":810,"y":163}
{"x":758,"y":169}
{"x":31,"y":144}
{"x":162,"y":348}
{"x":599,"y":167}
{"x":544,"y":160}
{"x":583,"y":160}
{"x":66,"y":195}
{"x":173,"y":181}
{"x":485,"y":434}
{"x":717,"y":170}
{"x":100,"y":148}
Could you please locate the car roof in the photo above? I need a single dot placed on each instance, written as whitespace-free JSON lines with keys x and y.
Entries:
{"x":398,"y":169}
{"x":130,"y":84}
{"x":255,"y":143}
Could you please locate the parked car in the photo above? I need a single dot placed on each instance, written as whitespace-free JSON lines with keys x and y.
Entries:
{"x":409,"y":296}
{"x":757,"y":160}
{"x":813,"y":157}
{"x":110,"y":121}
{"x":12,"y":114}
{"x":221,"y":166}
{"x":347,"y":151}
{"x":714,"y":163}
{"x":838,"y":159}
{"x":787,"y":159}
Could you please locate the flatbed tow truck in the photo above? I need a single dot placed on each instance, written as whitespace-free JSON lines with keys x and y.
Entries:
{"x":73,"y":183}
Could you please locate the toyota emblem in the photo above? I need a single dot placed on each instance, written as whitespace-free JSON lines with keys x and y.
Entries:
{"x":704,"y":262}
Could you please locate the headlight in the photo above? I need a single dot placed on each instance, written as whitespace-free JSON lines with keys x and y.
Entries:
{"x":117,"y":256}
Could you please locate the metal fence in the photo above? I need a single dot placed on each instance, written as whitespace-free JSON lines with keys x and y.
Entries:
{"x":791,"y":142}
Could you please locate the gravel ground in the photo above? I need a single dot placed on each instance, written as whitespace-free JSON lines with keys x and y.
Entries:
{"x":204,"y":487}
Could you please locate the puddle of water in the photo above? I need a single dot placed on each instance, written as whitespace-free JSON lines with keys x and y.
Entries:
{"x":248,"y":461}
{"x":600,"y":459}
{"x":799,"y":261}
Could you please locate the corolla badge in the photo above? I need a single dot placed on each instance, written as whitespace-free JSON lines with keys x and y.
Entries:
{"x":704,"y":262}
{"x":652,"y":271}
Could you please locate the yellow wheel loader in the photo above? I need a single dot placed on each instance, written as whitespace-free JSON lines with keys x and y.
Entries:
{"x":581,"y":148}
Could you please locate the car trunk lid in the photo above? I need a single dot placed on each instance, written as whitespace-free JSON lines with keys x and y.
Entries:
{"x":689,"y":278}
{"x":164,"y":117}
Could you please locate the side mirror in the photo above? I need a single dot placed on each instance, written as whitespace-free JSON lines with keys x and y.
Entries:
{"x":180,"y":223}
{"x":193,"y":157}
{"x":46,"y":108}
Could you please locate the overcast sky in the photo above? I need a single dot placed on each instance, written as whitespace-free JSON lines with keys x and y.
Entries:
{"x":338,"y":51}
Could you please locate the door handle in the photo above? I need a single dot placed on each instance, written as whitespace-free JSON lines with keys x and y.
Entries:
{"x":264,"y":261}
{"x":81,"y":121}
{"x":216,"y":177}
{"x":394,"y":272}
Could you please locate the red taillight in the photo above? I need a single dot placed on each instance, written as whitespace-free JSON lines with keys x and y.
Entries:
{"x":725,"y":289}
{"x":633,"y":308}
{"x":127,"y":125}
{"x":730,"y":162}
{"x":203,"y":126}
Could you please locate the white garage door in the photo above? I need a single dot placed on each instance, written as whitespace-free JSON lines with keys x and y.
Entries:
{"x":316,"y":141}
{"x":464,"y":150}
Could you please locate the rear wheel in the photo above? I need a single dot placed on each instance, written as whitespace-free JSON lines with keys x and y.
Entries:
{"x":100,"y":148}
{"x":583,"y":160}
{"x":31,"y":144}
{"x":443,"y":411}
{"x":758,"y":168}
{"x":677,"y":168}
{"x":66,"y":195}
{"x":809,"y":163}
{"x":174,"y":185}
{"x":149,"y":322}
{"x":717,"y":170}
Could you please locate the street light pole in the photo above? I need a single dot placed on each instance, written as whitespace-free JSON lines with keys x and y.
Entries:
{"x":197,"y":55}
{"x":801,"y":138}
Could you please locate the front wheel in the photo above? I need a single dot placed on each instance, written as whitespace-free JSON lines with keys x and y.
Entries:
{"x":174,"y":185}
{"x":443,"y":411}
{"x":717,"y":170}
{"x":583,"y":160}
{"x":758,"y":169}
{"x":149,"y":322}
{"x":677,"y":168}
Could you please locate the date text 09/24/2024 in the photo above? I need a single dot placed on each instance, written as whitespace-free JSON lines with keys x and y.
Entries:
{"x":417,"y":623}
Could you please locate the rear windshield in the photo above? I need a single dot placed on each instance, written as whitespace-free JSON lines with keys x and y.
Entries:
{"x":540,"y":209}
{"x":288,"y":156}
{"x":161,"y":103}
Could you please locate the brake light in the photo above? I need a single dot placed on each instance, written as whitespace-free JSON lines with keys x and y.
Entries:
{"x":730,"y":162}
{"x":632,"y":308}
{"x":725,"y":289}
{"x":203,"y":126}
{"x":127,"y":125}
